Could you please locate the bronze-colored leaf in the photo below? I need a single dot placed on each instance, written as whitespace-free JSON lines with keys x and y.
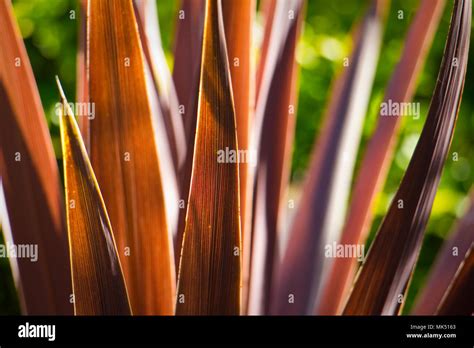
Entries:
{"x":447,"y":263}
{"x":321,"y":210}
{"x":267,"y":11}
{"x":82,"y":85}
{"x":458,"y":298}
{"x":186,"y":74}
{"x":274,"y":124}
{"x":30,"y":182}
{"x":125,"y":158}
{"x":147,"y":16}
{"x":382,"y":281}
{"x":169,"y":128}
{"x":238,"y":18}
{"x":98,"y":283}
{"x":378,"y":154}
{"x":187,"y":61}
{"x":210,"y":266}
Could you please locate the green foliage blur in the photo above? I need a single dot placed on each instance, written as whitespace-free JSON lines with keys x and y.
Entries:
{"x":49,"y":28}
{"x":326,"y":41}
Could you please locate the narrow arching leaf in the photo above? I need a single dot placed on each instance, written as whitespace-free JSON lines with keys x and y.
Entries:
{"x":275,"y":122}
{"x":321,"y":209}
{"x":458,"y":298}
{"x":125,"y":158}
{"x":33,"y":213}
{"x":379,"y":152}
{"x":238,"y":18}
{"x":210,"y":265}
{"x":98,"y":283}
{"x":447,"y":263}
{"x":382,"y":281}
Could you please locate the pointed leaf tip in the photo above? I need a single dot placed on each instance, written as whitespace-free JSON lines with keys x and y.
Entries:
{"x":210,"y":266}
{"x":98,"y":283}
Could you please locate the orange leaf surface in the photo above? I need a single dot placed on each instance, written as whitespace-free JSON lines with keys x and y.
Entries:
{"x":98,"y":283}
{"x":238,"y":18}
{"x":210,"y":266}
{"x":125,"y":158}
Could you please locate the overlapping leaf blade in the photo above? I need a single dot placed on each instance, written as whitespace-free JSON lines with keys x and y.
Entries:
{"x":169,"y":128}
{"x":98,"y":283}
{"x":457,"y":299}
{"x":33,"y":214}
{"x":381,"y":284}
{"x":125,"y":158}
{"x":274,"y":124}
{"x":447,"y":263}
{"x":210,"y":265}
{"x":321,"y":209}
{"x":375,"y":163}
{"x":168,"y":100}
{"x":238,"y":17}
{"x":187,"y":55}
{"x":82,"y":85}
{"x":267,"y":10}
{"x":186,"y":77}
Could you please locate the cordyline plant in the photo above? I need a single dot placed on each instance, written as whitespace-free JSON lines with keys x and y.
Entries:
{"x":173,"y":191}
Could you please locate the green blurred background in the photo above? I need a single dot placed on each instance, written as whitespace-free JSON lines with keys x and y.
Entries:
{"x":51,"y":37}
